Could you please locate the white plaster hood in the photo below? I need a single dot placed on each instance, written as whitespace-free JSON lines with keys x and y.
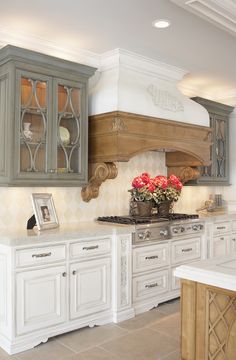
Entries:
{"x":129,"y":82}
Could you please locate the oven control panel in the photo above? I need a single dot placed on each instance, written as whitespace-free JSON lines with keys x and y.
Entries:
{"x":186,"y":229}
{"x":166,"y":231}
{"x":152,"y":233}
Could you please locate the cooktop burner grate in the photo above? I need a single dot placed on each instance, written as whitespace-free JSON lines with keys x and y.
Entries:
{"x":130,"y":220}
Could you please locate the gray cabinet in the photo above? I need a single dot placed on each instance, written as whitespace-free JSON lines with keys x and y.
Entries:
{"x":43,"y":119}
{"x":218,"y":172}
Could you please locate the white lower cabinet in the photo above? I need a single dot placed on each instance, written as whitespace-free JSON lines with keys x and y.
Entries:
{"x":153,"y":270}
{"x":220,"y":238}
{"x":185,"y":250}
{"x":40,"y":299}
{"x":90,"y":287}
{"x":49,"y":290}
{"x":233,"y":243}
{"x":175,"y":281}
{"x":150,"y":285}
{"x":220,"y":245}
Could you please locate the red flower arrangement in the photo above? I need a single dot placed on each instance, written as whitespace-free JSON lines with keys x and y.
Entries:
{"x":159,"y":188}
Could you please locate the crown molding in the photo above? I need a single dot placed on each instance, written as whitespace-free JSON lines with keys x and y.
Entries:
{"x":111,"y":60}
{"x":108,"y":60}
{"x":191,"y":91}
{"x":217,"y":12}
{"x":139,"y":63}
{"x":36,"y":43}
{"x":227,"y":97}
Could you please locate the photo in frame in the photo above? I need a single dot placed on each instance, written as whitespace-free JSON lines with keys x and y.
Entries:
{"x":44,"y":211}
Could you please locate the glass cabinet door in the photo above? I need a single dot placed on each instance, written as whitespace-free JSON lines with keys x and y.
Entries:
{"x":33,"y":124}
{"x":207,"y":172}
{"x":69,"y":110}
{"x":220,"y":148}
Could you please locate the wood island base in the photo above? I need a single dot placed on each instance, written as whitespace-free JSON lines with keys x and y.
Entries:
{"x":208,"y":322}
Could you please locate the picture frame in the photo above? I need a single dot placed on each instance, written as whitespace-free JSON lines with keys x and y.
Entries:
{"x":44,"y":211}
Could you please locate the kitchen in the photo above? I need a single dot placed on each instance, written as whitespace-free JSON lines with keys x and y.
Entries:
{"x":126,"y":92}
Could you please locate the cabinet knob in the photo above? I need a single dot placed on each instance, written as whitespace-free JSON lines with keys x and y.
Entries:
{"x":64,"y":274}
{"x":74,"y":272}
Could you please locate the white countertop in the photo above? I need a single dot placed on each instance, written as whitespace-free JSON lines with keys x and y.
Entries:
{"x":19,"y":236}
{"x":216,"y":216}
{"x":81,"y":230}
{"x":220,"y":272}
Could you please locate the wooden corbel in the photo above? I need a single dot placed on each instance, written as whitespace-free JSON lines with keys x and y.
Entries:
{"x":98,"y":173}
{"x":185,"y":174}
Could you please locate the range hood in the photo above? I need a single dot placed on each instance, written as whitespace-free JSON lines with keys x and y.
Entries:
{"x":118,"y":136}
{"x":135,"y":106}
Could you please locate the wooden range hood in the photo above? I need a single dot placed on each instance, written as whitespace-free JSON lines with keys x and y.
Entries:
{"x":118,"y":136}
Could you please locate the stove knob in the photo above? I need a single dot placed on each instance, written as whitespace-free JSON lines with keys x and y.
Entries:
{"x":141,"y":236}
{"x":164,"y":232}
{"x":147,"y":235}
{"x":195,"y":227}
{"x":182,"y":229}
{"x":175,"y":230}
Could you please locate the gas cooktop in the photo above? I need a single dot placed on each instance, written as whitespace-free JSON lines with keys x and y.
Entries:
{"x":129,"y":220}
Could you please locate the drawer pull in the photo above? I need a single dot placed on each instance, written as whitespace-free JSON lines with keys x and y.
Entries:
{"x":151,"y":257}
{"x":187,"y":250}
{"x":64,"y":274}
{"x":90,"y":247}
{"x":233,"y":239}
{"x":74,"y":272}
{"x":222,"y":238}
{"x":221,"y":227}
{"x":41,"y":255}
{"x":149,"y":286}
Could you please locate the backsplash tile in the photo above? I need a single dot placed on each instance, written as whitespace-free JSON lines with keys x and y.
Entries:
{"x":16,"y":208}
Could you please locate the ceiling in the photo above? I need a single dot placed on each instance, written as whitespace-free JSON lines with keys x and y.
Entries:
{"x":207,"y":51}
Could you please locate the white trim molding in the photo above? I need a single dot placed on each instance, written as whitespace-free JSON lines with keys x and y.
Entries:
{"x":218,"y":12}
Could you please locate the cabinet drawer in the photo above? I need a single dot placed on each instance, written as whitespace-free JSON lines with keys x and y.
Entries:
{"x":150,"y":257}
{"x":40,"y":255}
{"x":221,"y":227}
{"x":150,"y":285}
{"x":185,"y":250}
{"x":90,"y":248}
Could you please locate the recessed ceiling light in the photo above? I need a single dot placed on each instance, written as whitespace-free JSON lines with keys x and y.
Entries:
{"x":161,"y":23}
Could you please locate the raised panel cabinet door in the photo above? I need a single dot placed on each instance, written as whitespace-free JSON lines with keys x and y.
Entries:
{"x":33,"y":119}
{"x":70,"y":143}
{"x":220,"y":245}
{"x":233,"y":243}
{"x":90,"y":288}
{"x":40,"y":299}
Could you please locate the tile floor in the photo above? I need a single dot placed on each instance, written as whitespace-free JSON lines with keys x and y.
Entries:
{"x":153,"y":335}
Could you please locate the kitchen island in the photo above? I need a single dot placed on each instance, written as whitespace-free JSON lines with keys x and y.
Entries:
{"x":208,"y":309}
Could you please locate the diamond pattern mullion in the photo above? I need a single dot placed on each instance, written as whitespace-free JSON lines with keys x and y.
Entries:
{"x":219,"y":328}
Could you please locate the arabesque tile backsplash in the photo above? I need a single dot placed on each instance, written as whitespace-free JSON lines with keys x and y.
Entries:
{"x":16,"y":208}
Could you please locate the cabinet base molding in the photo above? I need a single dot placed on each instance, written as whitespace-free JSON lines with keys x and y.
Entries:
{"x":145,"y":305}
{"x":29,"y":341}
{"x":123,"y":315}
